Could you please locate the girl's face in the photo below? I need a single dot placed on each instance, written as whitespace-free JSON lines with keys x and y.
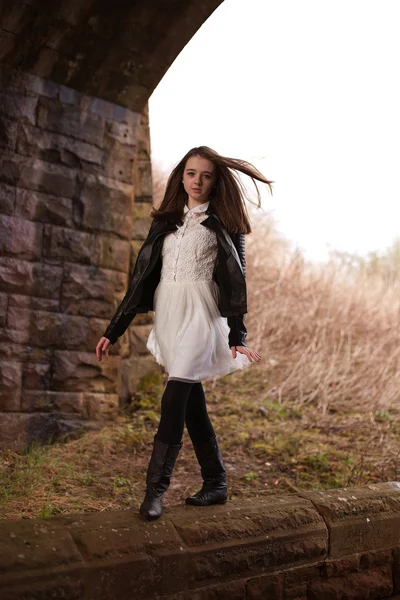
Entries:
{"x":198,"y":178}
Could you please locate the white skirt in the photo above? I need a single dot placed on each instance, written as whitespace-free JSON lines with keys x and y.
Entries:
{"x":190,"y":337}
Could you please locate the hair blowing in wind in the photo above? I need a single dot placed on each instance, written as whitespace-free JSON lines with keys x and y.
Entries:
{"x":227,"y":196}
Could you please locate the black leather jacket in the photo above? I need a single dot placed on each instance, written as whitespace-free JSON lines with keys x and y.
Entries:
{"x":229,"y":274}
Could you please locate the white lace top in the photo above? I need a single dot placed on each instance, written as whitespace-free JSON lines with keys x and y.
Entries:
{"x":189,"y":253}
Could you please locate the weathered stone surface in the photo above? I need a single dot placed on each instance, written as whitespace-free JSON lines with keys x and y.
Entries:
{"x":7,"y":199}
{"x":138,"y":336}
{"x":376,"y":583}
{"x":133,"y":369}
{"x":112,"y":253}
{"x":13,"y":347}
{"x":42,"y":176}
{"x":67,"y":588}
{"x":119,"y":164}
{"x":43,"y":207}
{"x":121,"y":132}
{"x":263,"y":533}
{"x":69,"y":244}
{"x":20,"y":301}
{"x":81,"y":371}
{"x":267,"y":586}
{"x":20,"y":237}
{"x":3,"y":309}
{"x":18,"y":430}
{"x":34,"y":279}
{"x":49,"y":328}
{"x":19,"y":106}
{"x":229,"y":590}
{"x":10,"y":385}
{"x":144,"y":318}
{"x":87,"y":405}
{"x":141,"y":220}
{"x":8,"y":138}
{"x":65,"y":119}
{"x":360,"y":520}
{"x":36,"y":376}
{"x":48,"y":545}
{"x":106,"y":206}
{"x":91,"y":291}
{"x":55,"y":148}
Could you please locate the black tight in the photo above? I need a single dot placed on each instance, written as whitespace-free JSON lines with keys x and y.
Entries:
{"x":184,"y":403}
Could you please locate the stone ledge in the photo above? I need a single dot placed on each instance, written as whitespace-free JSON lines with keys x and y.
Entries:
{"x":260,"y":548}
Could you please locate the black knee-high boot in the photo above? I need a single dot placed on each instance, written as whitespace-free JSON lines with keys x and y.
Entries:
{"x":158,"y":477}
{"x":214,"y":489}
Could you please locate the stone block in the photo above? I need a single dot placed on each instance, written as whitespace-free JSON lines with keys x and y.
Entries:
{"x":92,"y":291}
{"x":8,"y":137}
{"x":10,"y":169}
{"x":15,"y":347}
{"x":81,"y":371}
{"x":20,"y":238}
{"x":42,"y":176}
{"x":66,"y":119}
{"x":275,"y":532}
{"x":34,"y":303}
{"x":112,"y":253}
{"x":368,"y":585}
{"x":119,"y":164}
{"x":267,"y":586}
{"x":10,"y":386}
{"x":141,"y":220}
{"x":69,"y":244}
{"x":18,"y":430}
{"x":40,"y":86}
{"x":229,"y":590}
{"x":57,"y":148}
{"x":36,"y":279}
{"x":106,"y":205}
{"x":138,"y":336}
{"x":35,"y":546}
{"x":145,"y":562}
{"x":86,"y":405}
{"x":44,"y":207}
{"x":3,"y":309}
{"x":69,"y":587}
{"x":143,"y":182}
{"x":7,"y":199}
{"x":36,"y":376}
{"x":121,"y":132}
{"x":19,"y":107}
{"x":360,"y":519}
{"x":133,"y":369}
{"x":144,"y":318}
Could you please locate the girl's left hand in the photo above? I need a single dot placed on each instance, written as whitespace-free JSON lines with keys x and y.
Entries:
{"x":251,"y":354}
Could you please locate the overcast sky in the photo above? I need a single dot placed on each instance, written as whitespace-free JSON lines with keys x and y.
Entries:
{"x":307,"y":90}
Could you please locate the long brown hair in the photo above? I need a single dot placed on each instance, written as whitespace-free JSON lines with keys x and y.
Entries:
{"x":227,"y":198}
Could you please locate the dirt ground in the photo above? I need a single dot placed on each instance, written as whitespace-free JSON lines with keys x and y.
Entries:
{"x":267,"y":447}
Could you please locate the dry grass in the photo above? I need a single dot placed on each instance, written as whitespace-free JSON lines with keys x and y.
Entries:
{"x":329,"y":334}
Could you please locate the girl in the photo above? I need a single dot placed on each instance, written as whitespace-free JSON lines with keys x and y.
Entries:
{"x":191,"y":270}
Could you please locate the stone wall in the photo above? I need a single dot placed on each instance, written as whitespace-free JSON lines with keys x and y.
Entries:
{"x":75,"y":197}
{"x":332,"y":545}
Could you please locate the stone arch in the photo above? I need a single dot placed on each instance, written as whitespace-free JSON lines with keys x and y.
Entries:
{"x":75,"y":191}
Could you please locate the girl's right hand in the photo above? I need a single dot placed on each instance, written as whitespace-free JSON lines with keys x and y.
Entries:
{"x":102,"y":347}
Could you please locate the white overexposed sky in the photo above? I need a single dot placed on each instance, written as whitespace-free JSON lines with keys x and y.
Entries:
{"x":307,"y":90}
